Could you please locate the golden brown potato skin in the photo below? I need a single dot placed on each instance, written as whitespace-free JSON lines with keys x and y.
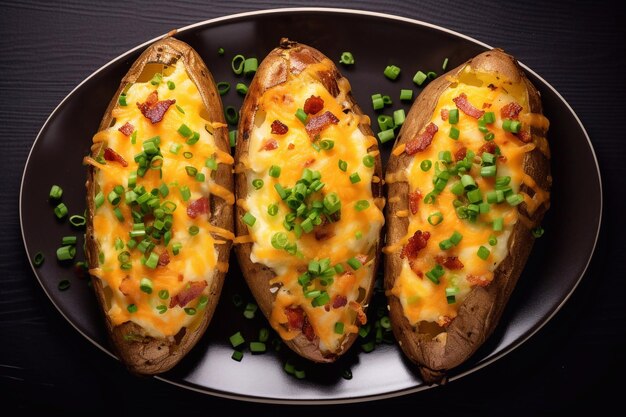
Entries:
{"x":479,"y":313}
{"x":144,"y":354}
{"x":288,"y":57}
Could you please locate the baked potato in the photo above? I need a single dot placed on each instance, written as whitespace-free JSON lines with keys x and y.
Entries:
{"x":467,"y":182}
{"x":160,"y":207}
{"x":309,"y":201}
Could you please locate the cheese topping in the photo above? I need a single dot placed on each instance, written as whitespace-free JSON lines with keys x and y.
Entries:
{"x":464,"y":188}
{"x":153,"y":185}
{"x":319,"y":236}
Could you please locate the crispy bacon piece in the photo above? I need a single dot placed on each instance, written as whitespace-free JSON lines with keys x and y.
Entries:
{"x":269,"y":145}
{"x":324,"y":232}
{"x":307,"y":329}
{"x":466,"y":107}
{"x":291,"y":146}
{"x":510,"y":111}
{"x":339,"y":301}
{"x":524,"y":136}
{"x":279,"y":128}
{"x":318,"y":123}
{"x":489,"y":147}
{"x":450,"y":262}
{"x":444,"y":321}
{"x":127,"y":129}
{"x":164,"y":258}
{"x":444,"y":114}
{"x":313,"y":105}
{"x":358,"y":309}
{"x":479,"y":281}
{"x":309,"y":162}
{"x":295,"y":317}
{"x":198,"y":207}
{"x":460,"y":154}
{"x":111,"y":155}
{"x":416,"y":243}
{"x":187,"y":294}
{"x":414,"y":200}
{"x":153,"y":109}
{"x":486,"y":105}
{"x":422,"y":141}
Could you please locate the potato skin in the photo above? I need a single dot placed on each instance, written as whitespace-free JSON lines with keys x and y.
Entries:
{"x":291,"y":57}
{"x":144,"y":354}
{"x":479,"y":313}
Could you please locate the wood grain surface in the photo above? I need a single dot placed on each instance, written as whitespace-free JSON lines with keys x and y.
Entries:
{"x":47,"y":48}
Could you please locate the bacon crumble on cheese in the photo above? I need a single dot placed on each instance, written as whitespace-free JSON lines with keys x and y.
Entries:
{"x":310,"y":210}
{"x":153,"y":184}
{"x":464,"y":188}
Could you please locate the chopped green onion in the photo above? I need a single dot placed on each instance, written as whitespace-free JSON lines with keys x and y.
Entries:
{"x":257,"y":183}
{"x":346,"y":58}
{"x":220,"y":51}
{"x":132,"y":308}
{"x":183,"y":130}
{"x":431,"y":75}
{"x":493,"y":241}
{"x":538,"y":232}
{"x":122,"y":100}
{"x":171,"y":85}
{"x":60,"y":211}
{"x":361,"y":205}
{"x":419,"y":78}
{"x":191,"y":171}
{"x":489,"y":136}
{"x":250,"y":65}
{"x":250,"y":310}
{"x":453,"y":116}
{"x":343,"y":165}
{"x":468,"y":182}
{"x":392,"y":72}
{"x":369,"y":161}
{"x":445,"y":244}
{"x":488,"y":171}
{"x":194,"y":230}
{"x":223,"y":87}
{"x":435,"y":273}
{"x":339,"y":327}
{"x":274,"y":171}
{"x":237,"y":64}
{"x":232,"y":138}
{"x":354,"y":263}
{"x":457,"y":188}
{"x":456,"y":238}
{"x":430,"y":198}
{"x":489,"y":117}
{"x":279,"y":240}
{"x":483,"y":253}
{"x":38,"y":259}
{"x":56,"y":192}
{"x":190,"y":311}
{"x":474,"y":196}
{"x":445,"y":64}
{"x":331,"y":202}
{"x":237,"y":340}
{"x":354,"y":178}
{"x":241,"y":88}
{"x":301,"y":115}
{"x":164,"y":294}
{"x":377,"y":101}
{"x":77,"y":220}
{"x":152,"y":260}
{"x":257,"y":347}
{"x":185,"y":192}
{"x":68,"y":240}
{"x":231,"y":114}
{"x":162,"y":308}
{"x":406,"y":95}
{"x":145,"y":285}
{"x":248,"y":219}
{"x":175,"y":148}
{"x":327,"y":144}
{"x":435,"y":218}
{"x":176,"y":248}
{"x":399,"y":117}
{"x":156,"y":79}
{"x":180,"y":109}
{"x":386,"y":135}
{"x":272,"y":209}
{"x":98,"y":199}
{"x":498,"y":224}
{"x":65,"y":253}
{"x":426,"y":165}
{"x":193,"y":139}
{"x":454,"y":133}
{"x":321,"y":299}
{"x":514,"y":199}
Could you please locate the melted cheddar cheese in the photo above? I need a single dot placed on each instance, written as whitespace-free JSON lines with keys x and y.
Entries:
{"x":157,"y":261}
{"x":351,"y":235}
{"x":435,"y":280}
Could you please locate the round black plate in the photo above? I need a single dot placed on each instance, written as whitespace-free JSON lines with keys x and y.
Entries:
{"x":556,"y":265}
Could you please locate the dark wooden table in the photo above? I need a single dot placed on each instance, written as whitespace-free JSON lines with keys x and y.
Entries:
{"x":574,"y":363}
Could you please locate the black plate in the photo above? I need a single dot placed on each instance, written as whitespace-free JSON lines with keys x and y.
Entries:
{"x":374,"y":39}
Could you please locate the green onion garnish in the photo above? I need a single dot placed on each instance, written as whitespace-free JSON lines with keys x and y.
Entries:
{"x":77,"y":220}
{"x":232,"y":138}
{"x":223,"y":87}
{"x":250,"y":65}
{"x":361,"y":205}
{"x":145,"y":285}
{"x":152,"y":260}
{"x":190,"y":311}
{"x":279,"y":240}
{"x":237,"y":340}
{"x":327,"y":144}
{"x":241,"y":88}
{"x":183,"y":130}
{"x":538,"y":232}
{"x":419,"y":78}
{"x":161,"y":308}
{"x":445,"y":64}
{"x":60,"y":211}
{"x":514,"y":199}
{"x":493,"y":241}
{"x":339,"y":327}
{"x":257,"y":183}
{"x":38,"y":259}
{"x":483,"y":253}
{"x":369,"y":161}
{"x":453,"y":116}
{"x":435,"y":218}
{"x":132,"y":308}
{"x":392,"y":72}
{"x":171,"y":85}
{"x":346,"y":58}
{"x":56,"y":192}
{"x":257,"y":347}
{"x":220,"y":51}
{"x":122,"y":100}
{"x":454,"y":133}
{"x":354,"y":263}
{"x":164,"y":294}
{"x":425,"y":165}
{"x":498,"y":224}
{"x":354,"y":178}
{"x":272,"y":209}
{"x":377,"y":101}
{"x":237,"y":64}
{"x":343,"y":165}
{"x":406,"y":95}
{"x":274,"y":171}
{"x":193,"y":139}
{"x":231,"y":114}
{"x":65,"y":253}
{"x":399,"y":117}
{"x":301,"y":115}
{"x":386,"y":135}
{"x":248,"y":219}
{"x":64,"y":285}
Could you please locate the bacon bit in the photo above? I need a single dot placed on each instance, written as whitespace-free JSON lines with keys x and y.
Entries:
{"x":318,"y":123}
{"x":489,"y":147}
{"x":422,"y":141}
{"x":313,"y":105}
{"x":279,"y":128}
{"x":307,"y":330}
{"x":187,"y":294}
{"x":524,"y":136}
{"x":444,"y":114}
{"x":153,"y":109}
{"x":416,"y":243}
{"x":125,"y":286}
{"x":339,"y":301}
{"x":444,"y":321}
{"x":198,"y":207}
{"x":164,"y":258}
{"x":486,"y":105}
{"x":414,"y":199}
{"x":180,"y":277}
{"x":111,"y":155}
{"x":492,"y":87}
{"x":450,"y":262}
{"x":510,"y":111}
{"x":466,"y":107}
{"x":323,"y":233}
{"x":309,"y":162}
{"x":127,"y":129}
{"x":479,"y":281}
{"x":269,"y":145}
{"x":291,"y":146}
{"x":460,"y":154}
{"x":360,"y":314}
{"x":295,"y":317}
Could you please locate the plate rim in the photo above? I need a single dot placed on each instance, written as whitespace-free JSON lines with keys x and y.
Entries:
{"x":331,"y":10}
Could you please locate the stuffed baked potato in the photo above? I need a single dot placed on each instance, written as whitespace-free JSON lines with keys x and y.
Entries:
{"x":468,"y":180}
{"x":160,"y":207}
{"x":308,"y":182}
